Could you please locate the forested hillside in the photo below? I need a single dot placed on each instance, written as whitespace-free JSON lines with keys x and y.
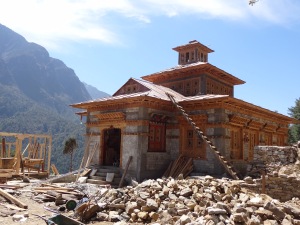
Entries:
{"x":35,"y":93}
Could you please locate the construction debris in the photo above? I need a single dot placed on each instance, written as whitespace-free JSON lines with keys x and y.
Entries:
{"x":175,"y":199}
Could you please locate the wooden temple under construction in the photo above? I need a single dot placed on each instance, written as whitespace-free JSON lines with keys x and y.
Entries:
{"x":25,"y":155}
{"x":188,"y":110}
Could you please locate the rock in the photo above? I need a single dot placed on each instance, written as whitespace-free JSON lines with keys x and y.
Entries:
{"x":102,"y":216}
{"x":19,"y":218}
{"x":144,"y":195}
{"x":296,"y":222}
{"x":143,"y":215}
{"x":212,"y":210}
{"x":264,"y":214}
{"x":130,"y":207}
{"x":181,"y":212}
{"x":184,"y":219}
{"x":255,"y":201}
{"x":239,"y":217}
{"x":292,"y":209}
{"x":154,"y":216}
{"x":286,"y":222}
{"x":278,"y":213}
{"x":248,"y":180}
{"x":26,"y":179}
{"x":152,"y":204}
{"x":254,"y":220}
{"x":113,"y":216}
{"x":186,"y":192}
{"x":270,"y":222}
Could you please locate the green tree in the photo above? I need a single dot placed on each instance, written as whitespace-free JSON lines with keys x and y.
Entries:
{"x":294,"y":130}
{"x":69,"y":148}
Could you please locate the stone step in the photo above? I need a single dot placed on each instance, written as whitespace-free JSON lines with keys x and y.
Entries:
{"x":115,"y":180}
{"x":103,"y":174}
{"x":100,"y":182}
{"x":108,"y":170}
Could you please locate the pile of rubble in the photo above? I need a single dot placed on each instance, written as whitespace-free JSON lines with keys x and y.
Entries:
{"x":204,"y":200}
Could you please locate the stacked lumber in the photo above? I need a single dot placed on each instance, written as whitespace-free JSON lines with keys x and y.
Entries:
{"x":182,"y":165}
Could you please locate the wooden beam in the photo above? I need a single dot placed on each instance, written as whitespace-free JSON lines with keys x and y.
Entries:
{"x":13,"y":199}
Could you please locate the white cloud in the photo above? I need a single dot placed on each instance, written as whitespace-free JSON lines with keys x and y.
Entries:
{"x":232,"y":9}
{"x":46,"y":21}
{"x":50,"y":21}
{"x":281,"y":12}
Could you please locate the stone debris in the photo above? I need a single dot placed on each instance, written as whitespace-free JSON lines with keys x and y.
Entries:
{"x":201,"y":200}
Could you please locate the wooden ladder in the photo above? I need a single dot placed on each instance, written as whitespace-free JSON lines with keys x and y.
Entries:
{"x":229,"y":168}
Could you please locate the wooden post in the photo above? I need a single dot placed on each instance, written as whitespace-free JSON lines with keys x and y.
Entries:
{"x":49,"y":154}
{"x":18,"y":155}
{"x":125,"y":171}
{"x":3,"y":148}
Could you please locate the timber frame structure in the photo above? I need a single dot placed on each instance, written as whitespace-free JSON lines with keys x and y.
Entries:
{"x":25,"y":154}
{"x":142,"y":121}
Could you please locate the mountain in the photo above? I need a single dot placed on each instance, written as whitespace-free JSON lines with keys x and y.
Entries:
{"x":94,"y":92}
{"x":35,"y":93}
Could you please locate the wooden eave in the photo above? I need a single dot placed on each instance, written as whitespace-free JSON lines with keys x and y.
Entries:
{"x":193,"y":44}
{"x":237,"y":105}
{"x":202,"y":104}
{"x":253,"y":110}
{"x":123,"y":103}
{"x":182,"y":72}
{"x":111,"y":116}
{"x":82,"y":113}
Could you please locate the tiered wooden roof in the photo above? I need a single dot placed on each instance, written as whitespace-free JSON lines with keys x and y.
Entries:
{"x":182,"y":71}
{"x":155,"y":96}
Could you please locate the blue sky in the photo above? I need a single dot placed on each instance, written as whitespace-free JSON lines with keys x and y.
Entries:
{"x":107,"y":42}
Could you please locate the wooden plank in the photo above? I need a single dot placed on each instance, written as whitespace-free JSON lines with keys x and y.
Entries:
{"x":85,"y":155}
{"x":85,"y":172}
{"x":125,"y":171}
{"x":54,"y":169}
{"x":12,"y":207}
{"x":60,"y":191}
{"x":13,"y":199}
{"x":6,"y":175}
{"x":8,"y":186}
{"x":53,"y":189}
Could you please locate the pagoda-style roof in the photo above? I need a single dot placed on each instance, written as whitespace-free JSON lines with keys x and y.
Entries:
{"x":150,"y":90}
{"x":154,"y":91}
{"x":157,"y":93}
{"x":180,"y":71}
{"x":193,"y":44}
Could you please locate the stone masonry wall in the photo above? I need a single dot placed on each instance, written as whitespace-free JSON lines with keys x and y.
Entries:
{"x":281,"y":166}
{"x":282,"y":187}
{"x":271,"y":158}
